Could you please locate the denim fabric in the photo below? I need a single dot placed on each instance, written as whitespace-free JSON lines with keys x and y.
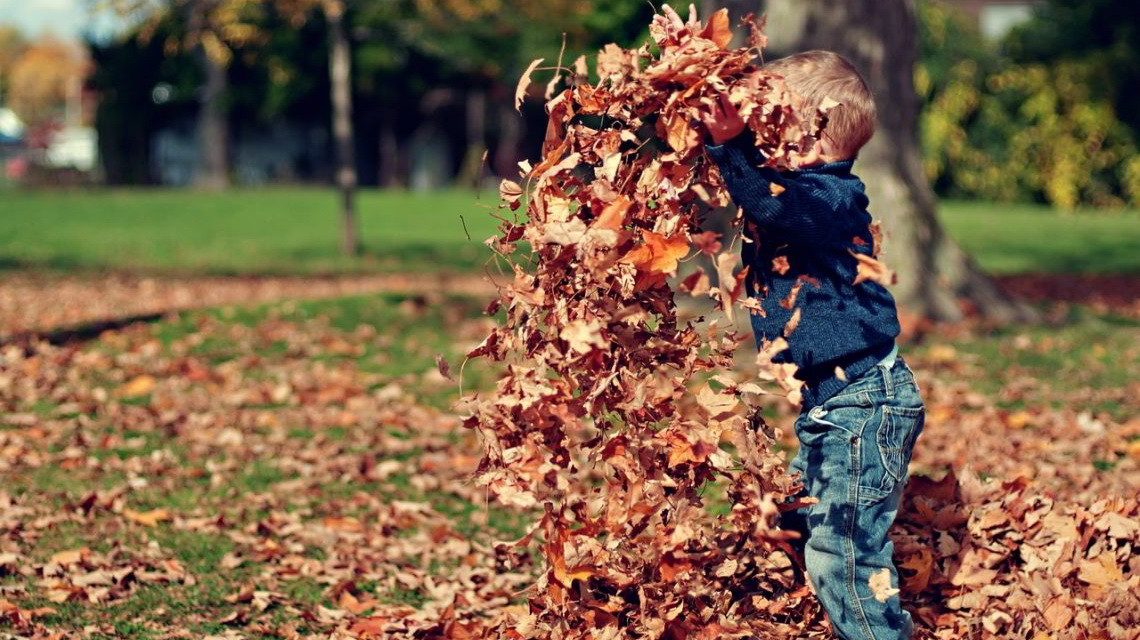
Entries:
{"x":853,"y":456}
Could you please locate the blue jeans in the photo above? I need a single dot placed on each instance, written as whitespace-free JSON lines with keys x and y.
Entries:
{"x":853,"y":456}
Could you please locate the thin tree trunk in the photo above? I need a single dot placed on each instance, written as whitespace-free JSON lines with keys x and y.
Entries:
{"x":471,"y":171}
{"x":937,"y":279}
{"x":340,"y":83}
{"x":213,"y":125}
{"x":389,"y":152}
{"x":510,"y":135}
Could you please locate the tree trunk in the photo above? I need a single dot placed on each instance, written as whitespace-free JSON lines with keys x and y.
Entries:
{"x":937,"y":279}
{"x":510,"y":136}
{"x":389,"y":151}
{"x":340,"y":83}
{"x":471,"y":172}
{"x":213,"y":125}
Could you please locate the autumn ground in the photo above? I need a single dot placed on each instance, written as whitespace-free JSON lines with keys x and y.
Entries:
{"x":294,"y":468}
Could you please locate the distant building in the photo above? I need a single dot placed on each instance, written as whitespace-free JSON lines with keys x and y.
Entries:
{"x":73,"y":148}
{"x":997,"y":17}
{"x":11,"y":126}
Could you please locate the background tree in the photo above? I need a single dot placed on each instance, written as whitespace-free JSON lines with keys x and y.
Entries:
{"x":12,"y":44}
{"x":210,"y":30}
{"x":43,"y":76}
{"x":340,"y":82}
{"x":1104,"y":34}
{"x":936,"y":277}
{"x":1033,"y":117}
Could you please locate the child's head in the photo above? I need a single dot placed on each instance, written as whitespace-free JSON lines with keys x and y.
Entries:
{"x":817,"y":75}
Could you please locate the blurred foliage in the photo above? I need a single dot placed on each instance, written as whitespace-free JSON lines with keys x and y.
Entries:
{"x":12,"y":44}
{"x":1029,"y":120}
{"x":36,"y":77}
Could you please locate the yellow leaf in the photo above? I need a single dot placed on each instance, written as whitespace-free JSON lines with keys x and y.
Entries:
{"x":943,"y":353}
{"x":1102,"y":571}
{"x":138,"y":386}
{"x":1019,"y":420}
{"x":1134,"y":449}
{"x":147,"y":518}
{"x":70,"y":556}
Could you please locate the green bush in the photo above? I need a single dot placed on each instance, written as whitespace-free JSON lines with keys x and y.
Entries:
{"x":1034,"y":131}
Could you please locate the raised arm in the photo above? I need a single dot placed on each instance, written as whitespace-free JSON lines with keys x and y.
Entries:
{"x":799,"y":208}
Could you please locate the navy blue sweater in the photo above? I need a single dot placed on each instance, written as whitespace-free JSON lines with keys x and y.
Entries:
{"x":808,"y":231}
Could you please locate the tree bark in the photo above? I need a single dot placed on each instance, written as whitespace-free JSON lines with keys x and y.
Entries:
{"x":471,"y":171}
{"x":213,"y":125}
{"x":389,"y":151}
{"x":937,"y":280}
{"x":510,"y":136}
{"x":340,"y":83}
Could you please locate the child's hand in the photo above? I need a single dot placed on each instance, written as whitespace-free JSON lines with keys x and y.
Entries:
{"x":809,"y":158}
{"x":723,"y":121}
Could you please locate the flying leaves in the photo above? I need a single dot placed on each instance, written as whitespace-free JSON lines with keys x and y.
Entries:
{"x":658,"y":254}
{"x":524,"y":82}
{"x":589,"y":418}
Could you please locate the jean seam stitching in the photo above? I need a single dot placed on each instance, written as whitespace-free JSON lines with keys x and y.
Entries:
{"x":889,"y":436}
{"x":849,"y":538}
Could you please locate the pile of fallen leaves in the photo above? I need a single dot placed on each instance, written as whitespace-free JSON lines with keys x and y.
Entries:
{"x":594,"y":422}
{"x":238,"y":480}
{"x":998,"y":560}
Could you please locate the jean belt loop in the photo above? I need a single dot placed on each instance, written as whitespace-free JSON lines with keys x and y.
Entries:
{"x":887,"y":381}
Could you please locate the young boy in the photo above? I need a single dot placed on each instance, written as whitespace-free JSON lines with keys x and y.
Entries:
{"x":861,"y":408}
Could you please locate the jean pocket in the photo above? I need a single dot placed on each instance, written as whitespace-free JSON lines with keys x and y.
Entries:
{"x":895,"y":441}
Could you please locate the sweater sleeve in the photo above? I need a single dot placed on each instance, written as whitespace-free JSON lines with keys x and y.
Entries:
{"x":803,"y":211}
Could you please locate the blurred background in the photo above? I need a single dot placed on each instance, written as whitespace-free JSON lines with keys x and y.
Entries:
{"x":1031,"y":104}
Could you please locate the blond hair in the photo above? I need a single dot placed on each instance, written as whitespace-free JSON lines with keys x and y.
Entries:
{"x":817,"y":75}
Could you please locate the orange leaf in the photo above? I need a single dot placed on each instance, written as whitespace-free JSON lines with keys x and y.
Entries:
{"x":659,"y":254}
{"x":138,"y":386}
{"x":147,"y":518}
{"x":719,"y":30}
{"x":370,"y":627}
{"x":869,"y":268}
{"x":70,"y":556}
{"x":679,"y":133}
{"x":613,"y":216}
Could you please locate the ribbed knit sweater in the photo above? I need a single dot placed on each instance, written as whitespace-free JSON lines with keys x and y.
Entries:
{"x":815,"y":223}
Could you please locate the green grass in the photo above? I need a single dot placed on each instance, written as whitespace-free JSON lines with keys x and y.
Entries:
{"x":244,"y":231}
{"x":1033,"y":239}
{"x":1087,"y":351}
{"x":296,"y":230}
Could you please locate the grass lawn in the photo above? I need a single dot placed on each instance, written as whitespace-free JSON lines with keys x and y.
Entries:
{"x":1017,"y":238}
{"x":296,"y":230}
{"x":241,"y":231}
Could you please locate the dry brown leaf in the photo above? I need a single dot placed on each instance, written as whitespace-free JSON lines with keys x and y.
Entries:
{"x":524,"y":82}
